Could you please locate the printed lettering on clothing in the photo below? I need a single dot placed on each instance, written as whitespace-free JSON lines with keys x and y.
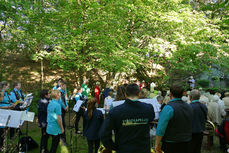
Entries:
{"x":135,"y":122}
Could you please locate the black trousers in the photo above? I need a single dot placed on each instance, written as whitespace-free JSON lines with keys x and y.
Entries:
{"x":196,"y":143}
{"x":93,"y":145}
{"x":78,"y":115}
{"x":1,"y":137}
{"x":55,"y":142}
{"x":181,"y":147}
{"x":63,"y":135}
{"x":44,"y":141}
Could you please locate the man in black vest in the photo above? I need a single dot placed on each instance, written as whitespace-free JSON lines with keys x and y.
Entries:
{"x":131,"y":124}
{"x":200,"y":112}
{"x":16,"y":94}
{"x":175,"y":124}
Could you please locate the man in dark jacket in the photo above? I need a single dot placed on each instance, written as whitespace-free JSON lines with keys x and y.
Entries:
{"x":175,"y":124}
{"x":42,"y":119}
{"x":200,"y":112}
{"x":130,"y":123}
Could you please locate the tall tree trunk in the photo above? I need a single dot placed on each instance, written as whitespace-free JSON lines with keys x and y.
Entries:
{"x":42,"y":74}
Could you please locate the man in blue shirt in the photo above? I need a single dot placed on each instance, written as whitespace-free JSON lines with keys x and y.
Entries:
{"x":200,"y":112}
{"x":130,"y":123}
{"x":16,"y":93}
{"x":175,"y":124}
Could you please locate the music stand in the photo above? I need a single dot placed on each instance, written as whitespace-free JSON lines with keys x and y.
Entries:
{"x":27,"y":116}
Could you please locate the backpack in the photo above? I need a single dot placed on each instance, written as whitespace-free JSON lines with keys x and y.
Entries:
{"x":31,"y":144}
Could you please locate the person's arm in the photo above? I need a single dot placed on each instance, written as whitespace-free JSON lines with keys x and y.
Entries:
{"x":8,"y":107}
{"x":13,"y":97}
{"x":106,"y":133}
{"x":59,"y":119}
{"x":164,"y":118}
{"x":158,"y":144}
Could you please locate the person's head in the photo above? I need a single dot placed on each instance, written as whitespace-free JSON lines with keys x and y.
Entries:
{"x":159,"y":93}
{"x":44,"y":94}
{"x":79,"y":89}
{"x":226,"y":94}
{"x":55,"y":94}
{"x":85,"y":81}
{"x":62,"y":85}
{"x":17,"y":85}
{"x":132,"y":91}
{"x":160,"y":99}
{"x":144,"y":93}
{"x":59,"y":80}
{"x":5,"y":85}
{"x":218,"y":94}
{"x":97,"y":83}
{"x":91,"y":106}
{"x":194,"y":95}
{"x":176,"y":91}
{"x":110,"y":93}
{"x":120,"y":93}
{"x":215,"y":98}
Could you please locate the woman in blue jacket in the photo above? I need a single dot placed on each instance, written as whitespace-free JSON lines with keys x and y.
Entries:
{"x":92,"y":122}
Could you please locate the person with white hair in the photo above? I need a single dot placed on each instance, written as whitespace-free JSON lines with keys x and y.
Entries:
{"x":204,"y":99}
{"x":214,"y":111}
{"x":198,"y":121}
{"x":226,"y":100}
{"x":222,"y":106}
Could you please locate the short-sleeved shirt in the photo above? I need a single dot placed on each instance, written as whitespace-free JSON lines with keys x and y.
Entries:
{"x":6,"y":100}
{"x":86,"y":90}
{"x":13,"y":95}
{"x":54,"y":109}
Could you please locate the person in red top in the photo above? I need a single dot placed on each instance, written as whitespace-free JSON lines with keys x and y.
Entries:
{"x":143,"y":85}
{"x":97,"y":92}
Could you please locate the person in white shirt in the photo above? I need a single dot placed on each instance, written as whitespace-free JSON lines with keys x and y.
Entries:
{"x":108,"y":100}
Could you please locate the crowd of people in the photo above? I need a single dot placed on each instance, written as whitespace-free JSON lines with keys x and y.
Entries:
{"x":179,"y":116}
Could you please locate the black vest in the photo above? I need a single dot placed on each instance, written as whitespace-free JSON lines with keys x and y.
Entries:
{"x":18,"y":95}
{"x":179,"y":128}
{"x":63,"y":97}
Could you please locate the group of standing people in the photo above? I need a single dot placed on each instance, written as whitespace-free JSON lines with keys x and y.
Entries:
{"x":180,"y":126}
{"x":180,"y":121}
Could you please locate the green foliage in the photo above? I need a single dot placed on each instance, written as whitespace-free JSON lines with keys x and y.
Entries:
{"x":203,"y":83}
{"x":102,"y":37}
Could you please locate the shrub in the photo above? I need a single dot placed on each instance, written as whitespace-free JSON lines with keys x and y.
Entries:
{"x":203,"y":83}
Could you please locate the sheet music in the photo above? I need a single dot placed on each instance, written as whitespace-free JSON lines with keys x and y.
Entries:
{"x":117,"y":103}
{"x":153,"y":102}
{"x":4,"y":119}
{"x":27,"y":102}
{"x":102,"y":110}
{"x":77,"y":106}
{"x":27,"y":116}
{"x":15,"y":117}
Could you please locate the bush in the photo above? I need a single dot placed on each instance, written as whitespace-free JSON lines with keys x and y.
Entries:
{"x":203,"y":83}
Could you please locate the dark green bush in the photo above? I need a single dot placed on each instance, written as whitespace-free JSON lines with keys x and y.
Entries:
{"x":203,"y":83}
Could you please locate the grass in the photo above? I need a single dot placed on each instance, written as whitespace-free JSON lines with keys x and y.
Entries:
{"x":79,"y":144}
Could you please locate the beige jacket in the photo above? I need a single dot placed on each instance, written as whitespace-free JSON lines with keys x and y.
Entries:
{"x":226,"y":102}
